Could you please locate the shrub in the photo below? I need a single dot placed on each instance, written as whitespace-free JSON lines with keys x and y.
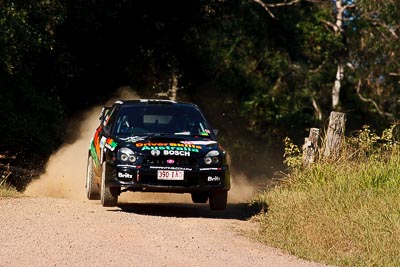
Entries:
{"x":345,"y":212}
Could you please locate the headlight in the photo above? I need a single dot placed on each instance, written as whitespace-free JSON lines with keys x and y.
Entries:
{"x":127,"y":155}
{"x":212,"y":157}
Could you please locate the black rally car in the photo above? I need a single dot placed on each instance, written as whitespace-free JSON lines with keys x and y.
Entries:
{"x":156,"y":146}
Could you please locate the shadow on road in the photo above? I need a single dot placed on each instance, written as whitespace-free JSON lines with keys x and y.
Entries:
{"x":238,"y":211}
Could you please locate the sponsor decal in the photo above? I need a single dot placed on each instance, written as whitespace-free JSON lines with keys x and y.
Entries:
{"x":169,"y":146}
{"x":170,"y":161}
{"x":155,"y":152}
{"x":133,"y":139}
{"x":111,"y":144}
{"x":197,"y":143}
{"x":91,"y":142}
{"x":213,"y":178}
{"x":96,"y":144}
{"x":102,"y":141}
{"x":176,"y":153}
{"x":170,"y":168}
{"x":124,"y":175}
{"x":94,"y":154}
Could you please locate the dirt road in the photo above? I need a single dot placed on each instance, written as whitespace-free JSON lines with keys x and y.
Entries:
{"x":59,"y":227}
{"x":65,"y":232}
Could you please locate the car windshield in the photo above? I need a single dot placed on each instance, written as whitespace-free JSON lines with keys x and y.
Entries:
{"x":160,"y":119}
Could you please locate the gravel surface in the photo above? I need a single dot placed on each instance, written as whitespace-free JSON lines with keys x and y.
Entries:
{"x":44,"y":231}
{"x":57,"y":226}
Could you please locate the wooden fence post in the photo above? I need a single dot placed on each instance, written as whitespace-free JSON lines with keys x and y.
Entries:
{"x":310,"y":147}
{"x":334,"y":135}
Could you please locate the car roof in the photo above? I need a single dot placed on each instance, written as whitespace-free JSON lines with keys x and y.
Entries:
{"x":154,"y":102}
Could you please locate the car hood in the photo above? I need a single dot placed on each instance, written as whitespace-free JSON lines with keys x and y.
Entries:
{"x":169,"y":145}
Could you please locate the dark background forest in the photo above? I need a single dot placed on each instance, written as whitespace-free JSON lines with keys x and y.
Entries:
{"x":260,"y":70}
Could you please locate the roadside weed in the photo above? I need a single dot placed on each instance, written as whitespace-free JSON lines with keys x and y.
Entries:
{"x":345,"y":213}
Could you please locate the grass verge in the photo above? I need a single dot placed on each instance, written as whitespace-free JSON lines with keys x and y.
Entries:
{"x":345,"y":213}
{"x":8,"y":191}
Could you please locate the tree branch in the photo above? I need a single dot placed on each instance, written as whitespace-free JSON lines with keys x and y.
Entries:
{"x":266,"y":7}
{"x":369,"y":100}
{"x":391,"y":30}
{"x":291,"y":3}
{"x":317,"y":69}
{"x":394,"y":74}
{"x":330,"y":24}
{"x":316,"y":108}
{"x":286,"y":3}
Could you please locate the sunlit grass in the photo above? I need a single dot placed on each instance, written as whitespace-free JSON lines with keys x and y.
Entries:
{"x":8,"y":191}
{"x":345,"y":213}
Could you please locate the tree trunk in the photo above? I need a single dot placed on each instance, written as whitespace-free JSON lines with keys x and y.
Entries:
{"x":337,"y":85}
{"x":310,"y":147}
{"x":338,"y":29}
{"x":173,"y":88}
{"x":335,"y":134}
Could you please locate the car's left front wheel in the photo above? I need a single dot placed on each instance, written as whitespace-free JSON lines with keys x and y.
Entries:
{"x":108,"y":195}
{"x":92,"y":188}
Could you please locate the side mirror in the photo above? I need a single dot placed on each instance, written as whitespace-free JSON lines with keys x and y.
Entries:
{"x":216,"y":132}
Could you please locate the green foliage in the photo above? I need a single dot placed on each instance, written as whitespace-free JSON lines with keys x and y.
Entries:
{"x":29,"y":114}
{"x":30,"y":121}
{"x":250,"y":58}
{"x":293,"y":156}
{"x":345,"y":213}
{"x":366,"y":144}
{"x":27,"y":27}
{"x":8,"y":191}
{"x":271,"y":76}
{"x":373,"y":45}
{"x":318,"y":42}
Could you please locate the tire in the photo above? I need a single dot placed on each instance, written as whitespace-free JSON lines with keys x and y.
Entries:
{"x":92,"y":188}
{"x":200,"y":197}
{"x":108,"y":196}
{"x":218,"y":200}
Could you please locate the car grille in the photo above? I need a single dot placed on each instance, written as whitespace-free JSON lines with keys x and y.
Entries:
{"x":177,"y":161}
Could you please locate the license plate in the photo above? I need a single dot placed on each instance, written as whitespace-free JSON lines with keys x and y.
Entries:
{"x":170,"y":175}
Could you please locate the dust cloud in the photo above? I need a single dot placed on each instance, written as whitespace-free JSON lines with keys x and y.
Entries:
{"x":65,"y":171}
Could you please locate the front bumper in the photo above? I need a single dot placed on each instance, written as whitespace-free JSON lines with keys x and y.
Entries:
{"x":144,"y":178}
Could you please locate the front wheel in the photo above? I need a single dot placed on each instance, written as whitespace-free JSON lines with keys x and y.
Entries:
{"x":218,"y":200}
{"x":92,"y":188}
{"x":109,"y":196}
